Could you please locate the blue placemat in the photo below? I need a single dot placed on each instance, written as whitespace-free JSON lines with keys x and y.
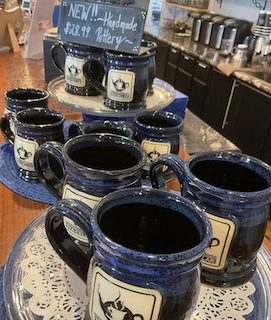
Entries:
{"x":9,"y":177}
{"x":2,"y":306}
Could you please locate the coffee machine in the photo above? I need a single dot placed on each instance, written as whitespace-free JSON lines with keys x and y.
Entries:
{"x":197,"y":20}
{"x":217,"y":32}
{"x":236,"y":30}
{"x":206,"y":29}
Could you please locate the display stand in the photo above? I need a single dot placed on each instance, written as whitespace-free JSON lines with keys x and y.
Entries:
{"x":11,"y":23}
{"x":163,"y":95}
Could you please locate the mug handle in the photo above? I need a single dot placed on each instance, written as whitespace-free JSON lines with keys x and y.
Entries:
{"x":76,"y":258}
{"x":75,"y":129}
{"x":54,"y":53}
{"x":5,"y":128}
{"x":174,"y":162}
{"x":50,"y":177}
{"x":91,"y":77}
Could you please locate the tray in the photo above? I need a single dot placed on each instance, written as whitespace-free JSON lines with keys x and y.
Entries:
{"x":39,"y":285}
{"x":9,"y":178}
{"x":163,"y":95}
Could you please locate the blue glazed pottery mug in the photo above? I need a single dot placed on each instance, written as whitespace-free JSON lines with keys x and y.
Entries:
{"x":151,"y":46}
{"x":235,"y":191}
{"x":158,"y":133}
{"x":75,"y":57}
{"x":126,"y":79}
{"x":88,"y":167}
{"x":32,"y":127}
{"x":122,"y":128}
{"x":144,"y":253}
{"x":18,"y":99}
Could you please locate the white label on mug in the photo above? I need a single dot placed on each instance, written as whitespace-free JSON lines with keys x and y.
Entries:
{"x":90,"y":200}
{"x":24,"y":151}
{"x":155,"y":149}
{"x":74,"y":71}
{"x":120,"y":85}
{"x":117,"y":300}
{"x":216,"y":254}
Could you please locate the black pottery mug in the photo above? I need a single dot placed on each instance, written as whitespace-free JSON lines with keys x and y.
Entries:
{"x":126,"y":79}
{"x":158,"y":133}
{"x":92,"y":166}
{"x":235,"y":191}
{"x":122,"y":128}
{"x":18,"y":99}
{"x":151,"y":53}
{"x":145,"y":246}
{"x":76,"y":56}
{"x":32,"y":128}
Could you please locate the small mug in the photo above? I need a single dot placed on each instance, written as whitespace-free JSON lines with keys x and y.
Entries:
{"x":235,"y":191}
{"x":145,"y":246}
{"x":158,"y":133}
{"x":126,"y":80}
{"x":122,"y":128}
{"x":18,"y":99}
{"x":92,"y":166}
{"x":32,"y":127}
{"x":76,"y":56}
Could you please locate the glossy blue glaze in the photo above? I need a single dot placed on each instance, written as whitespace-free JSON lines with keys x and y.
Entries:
{"x":34,"y":126}
{"x":148,"y":127}
{"x":248,"y":209}
{"x":126,"y":79}
{"x":122,"y":128}
{"x":77,"y":54}
{"x":176,"y":276}
{"x":18,"y":99}
{"x":92,"y":181}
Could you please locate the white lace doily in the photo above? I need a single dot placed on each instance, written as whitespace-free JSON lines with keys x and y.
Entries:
{"x":57,"y":293}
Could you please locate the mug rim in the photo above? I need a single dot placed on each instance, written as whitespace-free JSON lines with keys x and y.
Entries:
{"x":45,"y":94}
{"x":224,"y":155}
{"x":109,"y":173}
{"x":40,"y":110}
{"x":153,"y":115}
{"x":139,"y":194}
{"x":124,"y":127}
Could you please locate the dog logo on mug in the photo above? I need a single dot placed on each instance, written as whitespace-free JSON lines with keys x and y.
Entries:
{"x":113,"y":299}
{"x":116,"y":310}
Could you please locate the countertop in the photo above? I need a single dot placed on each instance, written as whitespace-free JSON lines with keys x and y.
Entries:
{"x":16,"y":212}
{"x":211,"y":56}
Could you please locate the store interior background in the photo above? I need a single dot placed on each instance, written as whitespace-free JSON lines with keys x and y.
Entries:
{"x":241,"y":9}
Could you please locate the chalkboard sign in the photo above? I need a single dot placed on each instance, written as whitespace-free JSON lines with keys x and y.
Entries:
{"x":103,"y":25}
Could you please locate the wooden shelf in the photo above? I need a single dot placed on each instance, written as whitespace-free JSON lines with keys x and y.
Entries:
{"x":184,"y":6}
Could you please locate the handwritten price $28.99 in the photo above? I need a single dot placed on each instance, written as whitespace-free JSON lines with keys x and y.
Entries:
{"x":76,"y":30}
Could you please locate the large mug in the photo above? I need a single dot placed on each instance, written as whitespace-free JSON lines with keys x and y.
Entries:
{"x":76,"y":56}
{"x":126,"y":79}
{"x":144,"y":250}
{"x":32,"y":127}
{"x":235,"y":191}
{"x":92,"y":166}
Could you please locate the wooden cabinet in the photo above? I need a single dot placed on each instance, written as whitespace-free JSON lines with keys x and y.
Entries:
{"x":172,"y":66}
{"x":184,"y":76}
{"x":161,"y":56}
{"x":199,"y":87}
{"x":218,"y":96}
{"x":249,"y":120}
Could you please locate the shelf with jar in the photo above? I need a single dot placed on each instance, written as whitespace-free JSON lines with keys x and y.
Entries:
{"x":191,"y":5}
